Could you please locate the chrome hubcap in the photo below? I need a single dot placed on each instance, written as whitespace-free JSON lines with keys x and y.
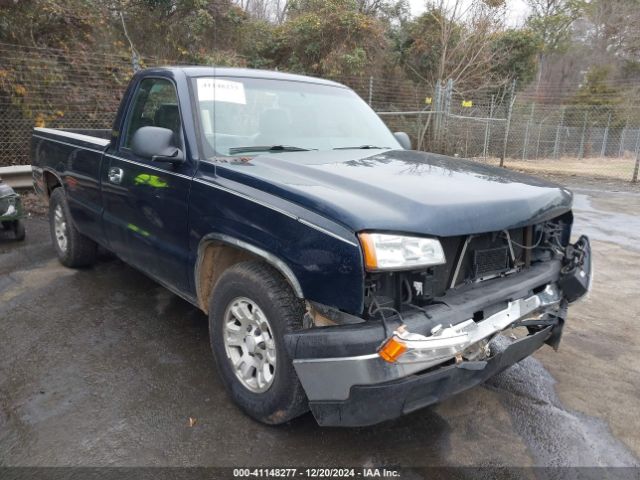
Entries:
{"x":60,"y":228}
{"x":249,"y":344}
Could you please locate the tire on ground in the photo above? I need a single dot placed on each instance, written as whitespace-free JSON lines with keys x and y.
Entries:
{"x":285,"y":398}
{"x":80,"y":251}
{"x":19,"y":231}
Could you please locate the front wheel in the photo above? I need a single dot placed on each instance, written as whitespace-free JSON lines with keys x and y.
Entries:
{"x":252,"y":308}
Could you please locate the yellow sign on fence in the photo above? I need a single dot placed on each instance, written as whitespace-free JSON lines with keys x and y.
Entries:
{"x":467,"y":103}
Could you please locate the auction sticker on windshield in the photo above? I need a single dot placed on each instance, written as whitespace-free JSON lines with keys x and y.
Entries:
{"x":210,"y":89}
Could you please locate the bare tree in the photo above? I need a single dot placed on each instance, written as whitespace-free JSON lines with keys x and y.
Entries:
{"x":269,"y":10}
{"x":552,"y":20}
{"x":466,"y":32}
{"x":579,"y":35}
{"x":613,"y":29}
{"x":371,"y":7}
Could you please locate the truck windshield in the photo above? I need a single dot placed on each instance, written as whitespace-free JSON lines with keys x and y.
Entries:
{"x":241,"y":116}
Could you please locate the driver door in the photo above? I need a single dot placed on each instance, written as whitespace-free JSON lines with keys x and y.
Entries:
{"x":146,"y":202}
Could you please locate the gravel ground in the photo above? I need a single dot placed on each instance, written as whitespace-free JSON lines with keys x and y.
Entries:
{"x":596,"y":170}
{"x":103,"y":367}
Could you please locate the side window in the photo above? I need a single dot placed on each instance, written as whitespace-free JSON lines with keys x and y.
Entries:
{"x":155,"y":104}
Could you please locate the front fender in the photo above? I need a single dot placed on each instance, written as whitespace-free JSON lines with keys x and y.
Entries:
{"x":320,"y":265}
{"x":220,"y":238}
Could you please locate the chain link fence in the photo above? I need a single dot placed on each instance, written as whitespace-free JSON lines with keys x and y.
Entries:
{"x":516,"y":132}
{"x":55,"y":88}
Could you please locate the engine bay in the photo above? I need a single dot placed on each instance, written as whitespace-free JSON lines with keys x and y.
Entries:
{"x":470,"y":260}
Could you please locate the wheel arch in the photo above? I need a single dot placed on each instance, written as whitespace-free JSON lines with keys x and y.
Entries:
{"x":51,"y":181}
{"x":217,"y":252}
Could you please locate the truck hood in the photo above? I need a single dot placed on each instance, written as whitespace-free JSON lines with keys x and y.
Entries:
{"x":403,"y":190}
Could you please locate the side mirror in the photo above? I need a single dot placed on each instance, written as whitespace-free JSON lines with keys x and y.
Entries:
{"x":157,"y":144}
{"x":403,"y":139}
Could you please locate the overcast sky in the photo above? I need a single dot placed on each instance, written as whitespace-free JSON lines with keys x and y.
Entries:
{"x":517,"y":10}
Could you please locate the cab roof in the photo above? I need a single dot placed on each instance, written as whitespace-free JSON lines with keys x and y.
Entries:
{"x":203,"y":71}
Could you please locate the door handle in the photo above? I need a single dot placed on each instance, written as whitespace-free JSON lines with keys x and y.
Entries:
{"x":115,"y":175}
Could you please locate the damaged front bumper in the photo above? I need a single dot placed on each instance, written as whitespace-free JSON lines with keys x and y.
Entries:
{"x":371,"y":404}
{"x":465,"y":340}
{"x":347,"y":386}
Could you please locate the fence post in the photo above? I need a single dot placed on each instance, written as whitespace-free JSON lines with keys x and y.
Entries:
{"x":436,"y":116}
{"x":634,"y":179}
{"x":539,"y":135}
{"x":560,"y":125}
{"x":466,"y":144}
{"x":370,"y":89}
{"x":584,"y":131}
{"x":526,"y":135}
{"x":622,"y":135}
{"x":605,"y":140}
{"x":485,"y":151}
{"x":487,"y":129}
{"x":512,"y":99}
{"x":447,"y":111}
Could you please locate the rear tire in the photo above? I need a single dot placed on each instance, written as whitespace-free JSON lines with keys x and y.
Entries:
{"x":251,"y":309}
{"x":19,"y":231}
{"x":74,"y":249}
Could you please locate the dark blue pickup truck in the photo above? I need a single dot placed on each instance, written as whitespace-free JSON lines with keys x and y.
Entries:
{"x":341,"y":271}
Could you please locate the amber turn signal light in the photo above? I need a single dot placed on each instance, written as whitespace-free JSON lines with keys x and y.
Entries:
{"x":369,"y":251}
{"x":392,"y":350}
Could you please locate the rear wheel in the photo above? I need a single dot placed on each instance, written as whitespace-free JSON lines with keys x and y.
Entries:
{"x":252,"y":308}
{"x":18,"y":230}
{"x":73,"y":248}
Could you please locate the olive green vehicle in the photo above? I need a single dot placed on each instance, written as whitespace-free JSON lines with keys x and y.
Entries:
{"x":11,"y":211}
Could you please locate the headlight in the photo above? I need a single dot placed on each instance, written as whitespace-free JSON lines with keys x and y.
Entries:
{"x":383,"y":251}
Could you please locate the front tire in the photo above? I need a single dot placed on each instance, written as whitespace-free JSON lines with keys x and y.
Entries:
{"x":252,"y":307}
{"x":74,"y":249}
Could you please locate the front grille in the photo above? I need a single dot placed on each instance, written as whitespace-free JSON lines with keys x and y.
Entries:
{"x":490,"y":260}
{"x":484,"y":256}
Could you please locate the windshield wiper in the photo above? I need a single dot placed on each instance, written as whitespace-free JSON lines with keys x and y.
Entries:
{"x":361,"y":147}
{"x":267,"y":148}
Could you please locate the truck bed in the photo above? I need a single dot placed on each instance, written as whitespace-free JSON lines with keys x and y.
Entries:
{"x":73,"y":158}
{"x":84,"y":137}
